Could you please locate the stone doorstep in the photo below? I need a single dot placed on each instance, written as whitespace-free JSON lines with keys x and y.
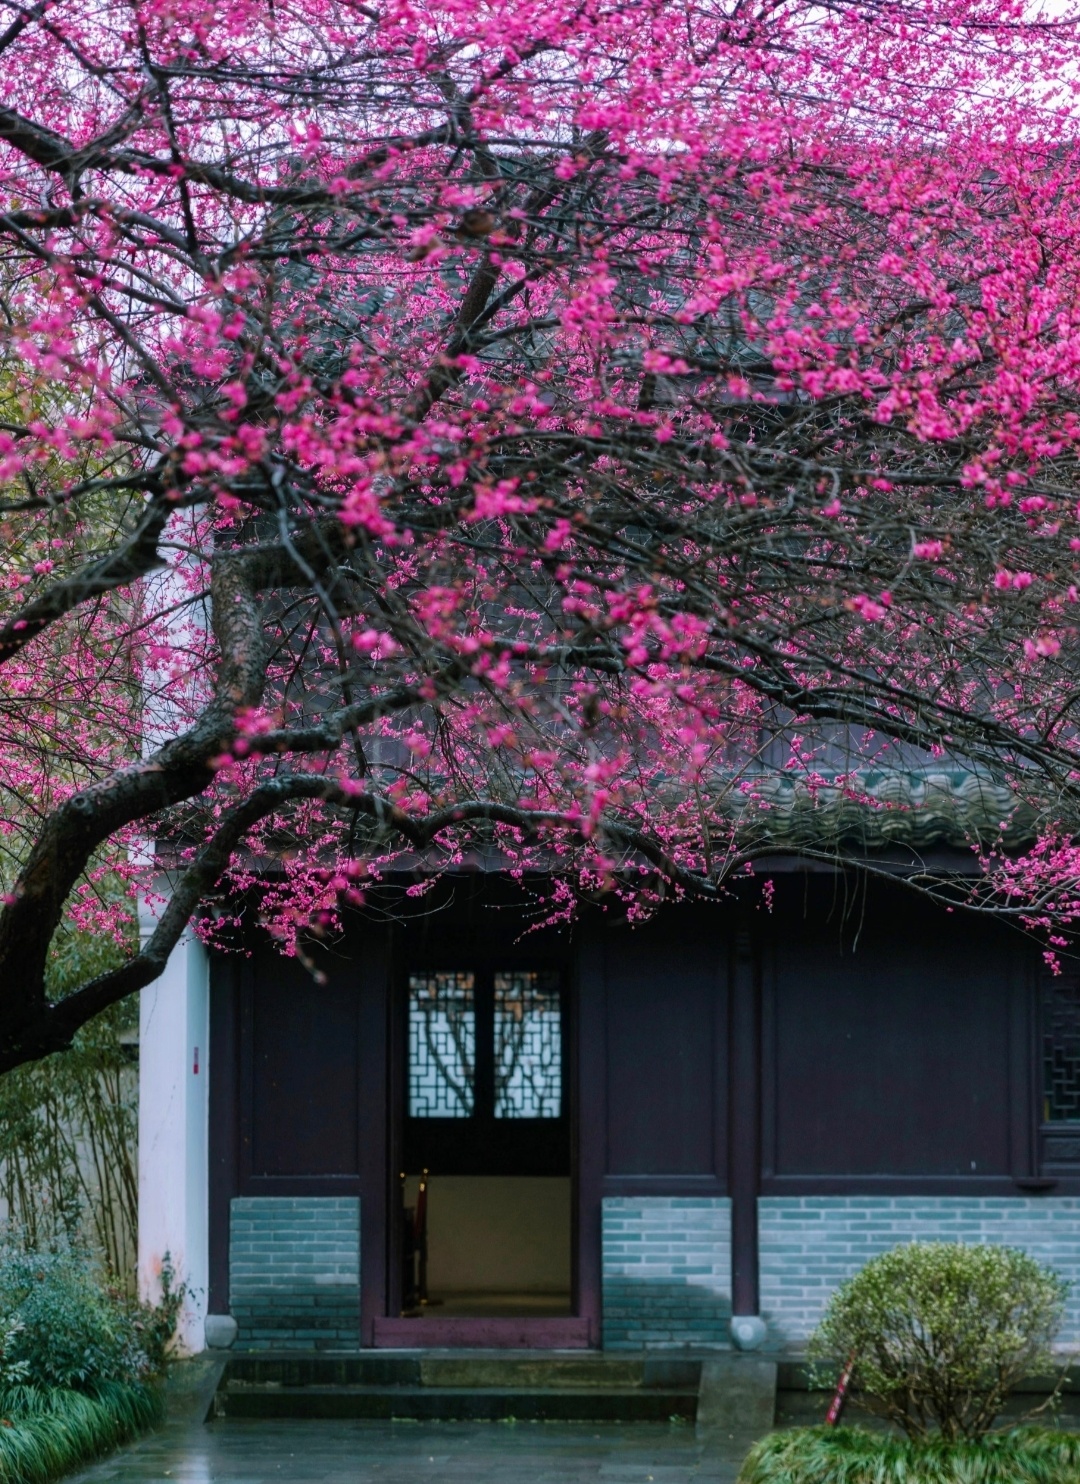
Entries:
{"x":487,"y":1385}
{"x":732,"y":1397}
{"x":461,"y":1404}
{"x":472,"y":1369}
{"x":532,"y":1371}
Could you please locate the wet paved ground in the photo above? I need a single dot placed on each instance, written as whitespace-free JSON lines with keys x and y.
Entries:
{"x":288,"y":1452}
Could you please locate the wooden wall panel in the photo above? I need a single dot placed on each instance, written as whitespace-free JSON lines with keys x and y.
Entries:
{"x":304,"y":1083}
{"x":890,"y":1052}
{"x":665,"y":1021}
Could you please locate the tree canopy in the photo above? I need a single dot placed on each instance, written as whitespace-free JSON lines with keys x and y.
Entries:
{"x":514,"y":429}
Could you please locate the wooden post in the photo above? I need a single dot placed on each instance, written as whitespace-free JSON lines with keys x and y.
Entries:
{"x":744,"y":1124}
{"x":589,"y":1050}
{"x":380,"y":1266}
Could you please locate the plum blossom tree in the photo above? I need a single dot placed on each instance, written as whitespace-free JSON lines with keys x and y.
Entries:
{"x":498,"y":426}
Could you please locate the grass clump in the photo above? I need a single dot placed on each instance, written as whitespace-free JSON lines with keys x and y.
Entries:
{"x":851,"y":1455}
{"x":47,"y":1431}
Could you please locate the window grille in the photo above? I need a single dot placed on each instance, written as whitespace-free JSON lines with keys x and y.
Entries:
{"x":1061,"y":1048}
{"x":528,"y":1045}
{"x":442,"y":1045}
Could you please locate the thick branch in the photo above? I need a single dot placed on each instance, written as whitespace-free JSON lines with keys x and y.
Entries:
{"x":179,"y":770}
{"x":54,"y":1026}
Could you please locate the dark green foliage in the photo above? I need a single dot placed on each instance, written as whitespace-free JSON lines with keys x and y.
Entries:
{"x":64,"y":1329}
{"x":76,"y":1360}
{"x":45,"y":1432}
{"x":940,"y":1333}
{"x":850,"y":1455}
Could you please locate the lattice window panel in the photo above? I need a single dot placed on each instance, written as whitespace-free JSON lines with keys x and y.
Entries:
{"x":442,"y":1045}
{"x":1061,"y":1049}
{"x":528,"y":1045}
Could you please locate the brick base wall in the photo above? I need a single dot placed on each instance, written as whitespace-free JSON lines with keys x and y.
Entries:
{"x":810,"y":1244}
{"x":666,"y":1271}
{"x":294,"y":1262}
{"x":294,"y":1272}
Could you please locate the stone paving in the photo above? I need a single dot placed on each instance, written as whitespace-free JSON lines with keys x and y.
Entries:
{"x":300,"y":1452}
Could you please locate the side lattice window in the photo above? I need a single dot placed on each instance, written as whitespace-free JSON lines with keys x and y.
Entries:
{"x":1061,"y":1048}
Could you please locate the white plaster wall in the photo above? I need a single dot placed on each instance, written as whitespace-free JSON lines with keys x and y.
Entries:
{"x":173,"y":1129}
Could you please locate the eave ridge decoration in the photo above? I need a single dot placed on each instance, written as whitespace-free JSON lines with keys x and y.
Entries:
{"x":879,"y":807}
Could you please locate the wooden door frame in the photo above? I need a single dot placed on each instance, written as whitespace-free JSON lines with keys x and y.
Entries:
{"x":387,"y":1328}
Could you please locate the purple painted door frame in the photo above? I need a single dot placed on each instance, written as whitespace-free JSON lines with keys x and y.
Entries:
{"x":375,"y":1138}
{"x":588,"y":1126}
{"x":380,"y":1324}
{"x":744,"y":1122}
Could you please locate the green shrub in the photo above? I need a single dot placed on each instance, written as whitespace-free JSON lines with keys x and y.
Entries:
{"x":59,"y":1327}
{"x":850,"y":1455}
{"x":75,"y":1362}
{"x":941,"y":1332}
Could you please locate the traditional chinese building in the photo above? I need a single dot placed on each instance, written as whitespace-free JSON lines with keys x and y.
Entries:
{"x":626,"y":1134}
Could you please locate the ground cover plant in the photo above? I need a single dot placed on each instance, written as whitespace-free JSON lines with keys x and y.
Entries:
{"x":851,"y":1455}
{"x":80,"y":1363}
{"x":936,"y":1335}
{"x":560,"y":431}
{"x":46,"y":1432}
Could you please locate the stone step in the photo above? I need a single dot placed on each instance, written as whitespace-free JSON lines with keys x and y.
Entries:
{"x":478,"y":1371}
{"x":371,"y":1368}
{"x":459,"y":1403}
{"x":532,"y":1371}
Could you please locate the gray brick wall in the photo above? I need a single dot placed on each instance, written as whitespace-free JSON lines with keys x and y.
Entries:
{"x":294,"y":1272}
{"x":809,"y":1244}
{"x":666,"y":1271}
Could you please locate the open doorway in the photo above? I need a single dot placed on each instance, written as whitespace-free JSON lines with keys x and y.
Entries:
{"x":486,"y":1223}
{"x":497,"y":1246}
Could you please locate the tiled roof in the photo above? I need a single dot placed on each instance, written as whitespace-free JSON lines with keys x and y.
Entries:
{"x":876,"y":808}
